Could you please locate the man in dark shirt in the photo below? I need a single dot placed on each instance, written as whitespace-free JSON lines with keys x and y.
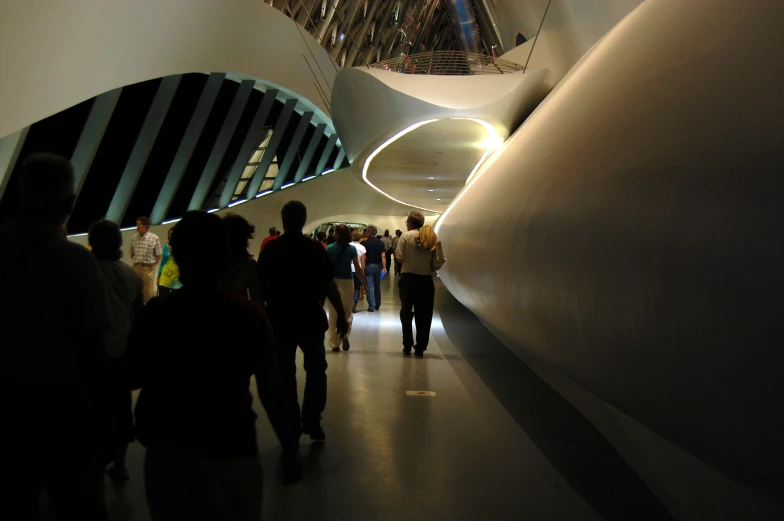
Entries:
{"x":54,"y":378}
{"x":331,"y":237}
{"x":376,"y":263}
{"x":296,"y":276}
{"x":192,"y":354}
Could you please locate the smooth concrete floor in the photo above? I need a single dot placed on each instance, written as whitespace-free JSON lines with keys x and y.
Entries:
{"x":458,"y":455}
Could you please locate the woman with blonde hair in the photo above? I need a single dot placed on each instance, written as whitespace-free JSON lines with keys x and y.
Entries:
{"x":420,"y":253}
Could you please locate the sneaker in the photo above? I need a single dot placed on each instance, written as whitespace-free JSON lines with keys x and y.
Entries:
{"x":407,"y":350}
{"x":316,"y":433}
{"x":371,"y":310}
{"x":354,"y":309}
{"x":419,"y":352}
{"x":346,"y":345}
{"x":335,"y":349}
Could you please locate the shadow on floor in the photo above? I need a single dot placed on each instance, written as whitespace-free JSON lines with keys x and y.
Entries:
{"x":572,"y":444}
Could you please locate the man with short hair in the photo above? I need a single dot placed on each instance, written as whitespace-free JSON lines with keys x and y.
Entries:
{"x":56,"y":413}
{"x":376,"y":266}
{"x":387,"y":240}
{"x":296,"y":276}
{"x":146,"y":253}
{"x":273,"y":234}
{"x":395,"y":242}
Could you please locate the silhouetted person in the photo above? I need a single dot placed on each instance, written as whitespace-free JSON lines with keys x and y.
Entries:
{"x":296,"y":275}
{"x":124,"y":297}
{"x":54,"y":377}
{"x":375,"y":265}
{"x":417,"y":251}
{"x":192,"y":354}
{"x":242,"y":277}
{"x":387,"y":240}
{"x":322,"y":238}
{"x":273,"y":234}
{"x":395,"y":242}
{"x":146,"y":253}
{"x":331,"y":237}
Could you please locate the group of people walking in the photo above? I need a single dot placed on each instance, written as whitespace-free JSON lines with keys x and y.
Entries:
{"x":98,"y":332}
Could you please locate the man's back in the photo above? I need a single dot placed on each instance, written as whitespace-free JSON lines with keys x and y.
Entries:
{"x":124,"y":300}
{"x":375,"y":248}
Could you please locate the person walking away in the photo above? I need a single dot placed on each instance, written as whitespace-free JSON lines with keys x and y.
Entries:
{"x":395,"y":242}
{"x":124,"y":297}
{"x":169,"y":272}
{"x":296,"y":275}
{"x":387,"y":240}
{"x":418,"y":251}
{"x":331,"y":236}
{"x":376,"y":265}
{"x":146,"y":253}
{"x":56,"y":413}
{"x":202,"y":459}
{"x":322,"y":239}
{"x":344,"y":257}
{"x":359,"y":288}
{"x":242,"y":277}
{"x":273,"y":234}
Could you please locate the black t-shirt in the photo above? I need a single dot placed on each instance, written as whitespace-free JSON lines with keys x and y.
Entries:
{"x":330,"y":239}
{"x":293,"y":272}
{"x":375,"y":249}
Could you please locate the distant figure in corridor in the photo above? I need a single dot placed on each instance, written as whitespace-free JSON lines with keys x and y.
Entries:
{"x":387,"y":240}
{"x":195,"y":412}
{"x":54,"y":379}
{"x":146,"y":253}
{"x":395,"y":242}
{"x":273,"y":234}
{"x":296,"y":276}
{"x":124,"y":296}
{"x":322,"y":239}
{"x":242,"y":277}
{"x":344,"y":258}
{"x":360,"y":289}
{"x":169,"y":272}
{"x":420,"y":253}
{"x":331,"y":236}
{"x":376,"y":265}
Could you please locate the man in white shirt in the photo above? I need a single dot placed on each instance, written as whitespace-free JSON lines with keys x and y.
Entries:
{"x":146,"y":253}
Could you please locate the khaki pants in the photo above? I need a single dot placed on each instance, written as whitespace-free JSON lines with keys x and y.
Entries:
{"x":147,"y":273}
{"x":346,"y":289}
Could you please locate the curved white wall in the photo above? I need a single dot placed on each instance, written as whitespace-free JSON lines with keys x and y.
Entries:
{"x":631,"y":230}
{"x":57,"y":53}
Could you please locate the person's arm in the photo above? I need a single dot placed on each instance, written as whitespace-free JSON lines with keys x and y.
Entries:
{"x":383,"y":262}
{"x":333,"y":294}
{"x":131,"y":251}
{"x":360,"y":273}
{"x":158,"y":251}
{"x":400,"y":252}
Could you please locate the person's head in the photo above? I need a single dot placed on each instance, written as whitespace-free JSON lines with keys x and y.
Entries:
{"x":171,"y":230}
{"x":342,"y":235}
{"x":47,"y":187}
{"x":321,"y":236}
{"x":239,"y":232}
{"x":398,"y":233}
{"x":273,"y":231}
{"x":415,"y":221}
{"x":372,"y":231}
{"x":332,"y":232}
{"x":142,"y":224}
{"x":105,"y":239}
{"x":196,"y":267}
{"x":356,"y":236}
{"x":294,"y":215}
{"x":386,"y":233}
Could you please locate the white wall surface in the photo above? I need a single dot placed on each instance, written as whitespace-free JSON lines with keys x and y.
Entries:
{"x":55,"y":54}
{"x":628,"y":231}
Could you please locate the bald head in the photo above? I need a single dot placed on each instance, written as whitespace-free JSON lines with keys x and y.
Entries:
{"x":47,"y":186}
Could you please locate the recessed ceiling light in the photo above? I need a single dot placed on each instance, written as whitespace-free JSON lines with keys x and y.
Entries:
{"x":431,"y":177}
{"x":430,"y":190}
{"x":438,"y":199}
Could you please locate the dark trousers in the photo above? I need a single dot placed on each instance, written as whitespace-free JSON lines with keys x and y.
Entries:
{"x":398,"y":266}
{"x":315,"y":399}
{"x":357,"y":288}
{"x":417,"y":293}
{"x":389,"y":260}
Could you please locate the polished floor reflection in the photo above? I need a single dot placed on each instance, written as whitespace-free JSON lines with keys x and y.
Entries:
{"x":393,"y":455}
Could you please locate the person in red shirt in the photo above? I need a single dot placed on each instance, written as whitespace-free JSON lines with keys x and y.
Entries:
{"x":273,"y":234}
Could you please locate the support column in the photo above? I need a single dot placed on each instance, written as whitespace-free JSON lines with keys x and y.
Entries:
{"x":141,"y":150}
{"x":308,"y":157}
{"x":10,"y":147}
{"x":339,"y":159}
{"x":272,"y":148}
{"x":221,"y":144}
{"x":322,"y":164}
{"x":291,"y":153}
{"x":187,"y":146}
{"x":252,"y":139}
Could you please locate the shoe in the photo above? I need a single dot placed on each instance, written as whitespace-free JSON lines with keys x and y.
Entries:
{"x":346,"y":345}
{"x":118,"y":475}
{"x":419,"y":352}
{"x":335,"y":349}
{"x":407,"y":350}
{"x":316,"y":433}
{"x":371,"y":310}
{"x":354,"y":309}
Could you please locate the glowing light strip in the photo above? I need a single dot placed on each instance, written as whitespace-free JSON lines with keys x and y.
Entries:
{"x":287,"y":185}
{"x":128,"y":229}
{"x":77,"y":235}
{"x":235,"y":203}
{"x":308,"y":178}
{"x":493,"y":135}
{"x":262,"y":194}
{"x":213,"y":210}
{"x":172,"y":221}
{"x":325,"y":172}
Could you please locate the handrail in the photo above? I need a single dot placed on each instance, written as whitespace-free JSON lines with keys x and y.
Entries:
{"x":448,"y":63}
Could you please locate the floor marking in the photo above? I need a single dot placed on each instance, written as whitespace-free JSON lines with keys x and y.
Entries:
{"x":420,"y":393}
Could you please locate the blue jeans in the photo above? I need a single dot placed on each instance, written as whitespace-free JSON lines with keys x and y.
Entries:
{"x":373,"y":279}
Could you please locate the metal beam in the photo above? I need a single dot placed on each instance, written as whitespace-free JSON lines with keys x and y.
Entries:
{"x":187,"y":146}
{"x":252,"y":139}
{"x":272,"y":148}
{"x":141,"y":150}
{"x":10,"y":147}
{"x":291,"y":153}
{"x":312,"y":146}
{"x":340,"y":158}
{"x":92,"y":134}
{"x":322,"y":164}
{"x":221,"y":144}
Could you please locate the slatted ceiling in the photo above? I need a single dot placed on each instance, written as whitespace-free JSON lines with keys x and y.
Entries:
{"x":317,"y":156}
{"x":113,"y":154}
{"x":283,"y":148}
{"x":203,"y":148}
{"x":332,"y":158}
{"x":303,"y":148}
{"x":165,"y":147}
{"x":58,"y":134}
